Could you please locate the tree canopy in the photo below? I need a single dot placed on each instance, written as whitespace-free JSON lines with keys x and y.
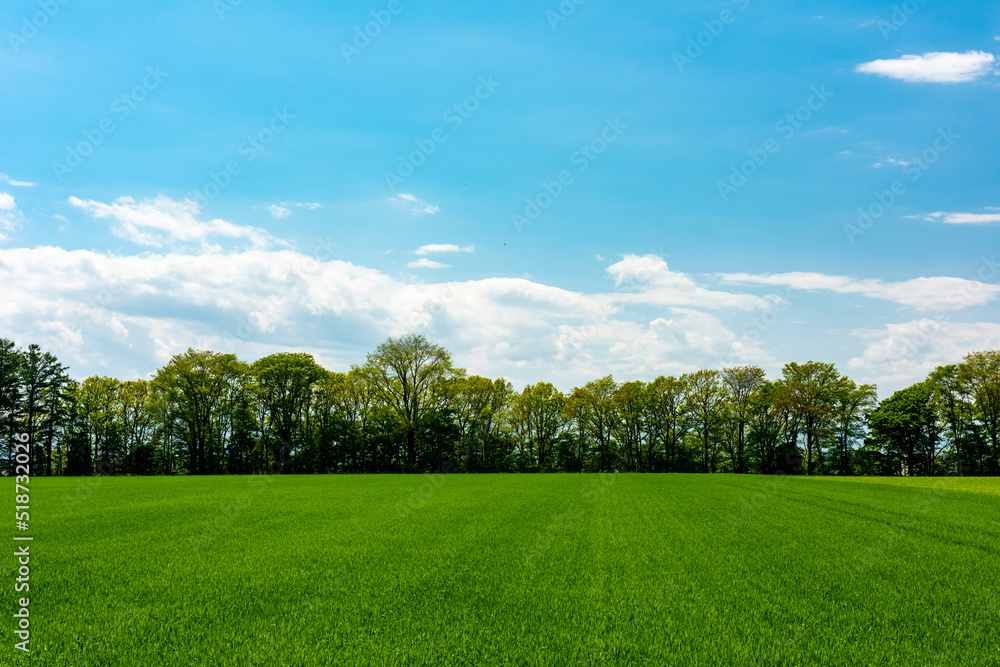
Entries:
{"x":408,"y":408}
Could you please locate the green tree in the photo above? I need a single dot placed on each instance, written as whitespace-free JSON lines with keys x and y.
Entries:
{"x":75,"y":434}
{"x":411,"y":376}
{"x":630,"y":402}
{"x":537,"y":419}
{"x":905,"y":427}
{"x":851,"y":407}
{"x":979,"y":376}
{"x":195,"y":386}
{"x":957,"y":414}
{"x":479,"y":403}
{"x":704,"y":405}
{"x":286,"y":382}
{"x":591,"y":410}
{"x":765,"y":429}
{"x":136,"y":420}
{"x":785,"y":404}
{"x":811,"y":389}
{"x":742,"y":384}
{"x":356,"y":403}
{"x":41,"y":376}
{"x":57,"y":405}
{"x":10,"y":392}
{"x":99,"y":400}
{"x":668,"y":416}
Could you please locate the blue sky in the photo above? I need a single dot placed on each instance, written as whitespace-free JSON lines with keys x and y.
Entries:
{"x":552,"y":191}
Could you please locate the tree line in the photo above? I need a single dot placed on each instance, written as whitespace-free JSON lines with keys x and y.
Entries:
{"x":408,"y":408}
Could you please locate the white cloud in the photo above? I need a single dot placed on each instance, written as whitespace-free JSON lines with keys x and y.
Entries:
{"x":655,"y":283}
{"x":278,"y":211}
{"x":964,"y":218}
{"x":900,"y":354}
{"x":10,"y":216}
{"x":127,"y":315}
{"x":424,"y":263}
{"x":944,"y":292}
{"x":432,"y":248}
{"x":161,"y":221}
{"x":416,"y":206}
{"x":936,"y":67}
{"x":17,"y":184}
{"x":282,"y":210}
{"x":113,"y":314}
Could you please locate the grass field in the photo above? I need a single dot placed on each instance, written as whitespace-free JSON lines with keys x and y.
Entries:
{"x":511,"y":570}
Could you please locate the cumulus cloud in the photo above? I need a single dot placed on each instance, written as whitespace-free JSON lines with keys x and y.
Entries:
{"x":424,"y":263}
{"x":965,"y":218}
{"x":654,"y":283}
{"x":162,"y":221}
{"x":414,"y":205}
{"x":432,"y":248}
{"x":935,"y":67}
{"x":899,"y":354}
{"x":127,"y":315}
{"x":944,"y":293}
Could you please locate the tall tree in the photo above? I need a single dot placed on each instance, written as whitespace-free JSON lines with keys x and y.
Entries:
{"x":286,"y":381}
{"x":411,"y":376}
{"x":811,"y":389}
{"x":98,"y":398}
{"x":704,"y":405}
{"x":479,"y":403}
{"x":75,"y":434}
{"x":136,"y":419}
{"x":765,"y":437}
{"x":631,"y":407}
{"x":10,"y":392}
{"x":668,"y":417}
{"x":56,"y":412}
{"x":742,"y":384}
{"x":195,"y":385}
{"x":905,"y":426}
{"x":786,"y":407}
{"x":537,"y":417}
{"x":356,"y":403}
{"x":41,"y":373}
{"x":591,"y":410}
{"x":979,"y":375}
{"x":956,"y":412}
{"x":852,"y":404}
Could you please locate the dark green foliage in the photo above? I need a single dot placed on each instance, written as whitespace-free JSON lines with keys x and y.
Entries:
{"x":904,"y":426}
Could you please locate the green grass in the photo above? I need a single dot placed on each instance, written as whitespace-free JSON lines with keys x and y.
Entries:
{"x":511,"y":570}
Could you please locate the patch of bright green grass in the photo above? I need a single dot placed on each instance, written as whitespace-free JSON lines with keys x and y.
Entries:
{"x":990,"y":485}
{"x":511,"y":570}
